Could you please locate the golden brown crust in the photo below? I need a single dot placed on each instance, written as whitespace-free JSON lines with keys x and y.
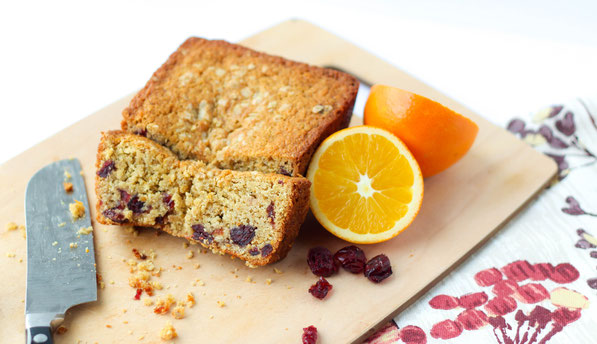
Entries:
{"x":283,"y":144}
{"x":300,"y":207}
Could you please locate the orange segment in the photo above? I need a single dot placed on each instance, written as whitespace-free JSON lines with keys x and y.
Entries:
{"x":435,"y":135}
{"x":366,"y":185}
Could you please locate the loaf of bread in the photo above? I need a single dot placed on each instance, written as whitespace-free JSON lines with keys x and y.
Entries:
{"x":251,"y":215}
{"x":235,"y":108}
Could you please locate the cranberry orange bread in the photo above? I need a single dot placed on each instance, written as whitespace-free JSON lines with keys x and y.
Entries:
{"x":239,"y":109}
{"x":251,"y":215}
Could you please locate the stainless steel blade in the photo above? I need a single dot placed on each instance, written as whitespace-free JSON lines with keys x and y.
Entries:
{"x":59,"y":275}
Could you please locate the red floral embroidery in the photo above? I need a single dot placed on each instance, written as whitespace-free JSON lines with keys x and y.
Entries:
{"x":513,"y":285}
{"x":509,"y":291}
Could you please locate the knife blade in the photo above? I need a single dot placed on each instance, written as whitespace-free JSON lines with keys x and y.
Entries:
{"x":61,"y":269}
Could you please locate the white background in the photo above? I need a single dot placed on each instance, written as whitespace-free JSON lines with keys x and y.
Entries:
{"x":62,"y":60}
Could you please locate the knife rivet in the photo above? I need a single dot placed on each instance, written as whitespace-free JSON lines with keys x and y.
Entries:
{"x":40,"y":338}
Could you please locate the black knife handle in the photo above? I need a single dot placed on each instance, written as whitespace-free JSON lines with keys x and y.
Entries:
{"x":40,"y":335}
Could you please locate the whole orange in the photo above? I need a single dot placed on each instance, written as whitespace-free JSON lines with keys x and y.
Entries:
{"x":436,"y":136}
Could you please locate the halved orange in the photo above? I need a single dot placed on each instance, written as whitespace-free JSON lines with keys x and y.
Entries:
{"x":366,"y":187}
{"x":436,"y":135}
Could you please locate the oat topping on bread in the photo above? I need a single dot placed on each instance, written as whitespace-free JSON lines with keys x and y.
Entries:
{"x":251,"y":215}
{"x":235,"y":108}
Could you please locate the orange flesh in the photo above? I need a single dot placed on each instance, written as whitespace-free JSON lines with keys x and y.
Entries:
{"x":364,"y":177}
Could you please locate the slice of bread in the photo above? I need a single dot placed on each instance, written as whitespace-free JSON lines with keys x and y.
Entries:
{"x":239,"y":109}
{"x":251,"y":215}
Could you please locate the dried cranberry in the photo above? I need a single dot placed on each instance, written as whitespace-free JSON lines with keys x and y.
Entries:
{"x":167,"y":199}
{"x":169,"y":202}
{"x":138,"y":294}
{"x":125,"y":197}
{"x":321,"y":262}
{"x":378,"y":268}
{"x":310,"y":335}
{"x":242,"y":235}
{"x":266,"y":250}
{"x":159,"y":220}
{"x":284,"y":171}
{"x":135,"y":205}
{"x":200,"y":234}
{"x":142,"y":132}
{"x":321,"y":288}
{"x":351,"y":258}
{"x":271,"y":214}
{"x":254,"y":251}
{"x":106,"y":168}
{"x":115,"y":215}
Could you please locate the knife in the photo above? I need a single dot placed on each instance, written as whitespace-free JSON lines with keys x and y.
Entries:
{"x":60,"y":257}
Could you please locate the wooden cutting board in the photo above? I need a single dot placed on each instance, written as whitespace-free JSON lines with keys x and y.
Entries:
{"x":462,"y":208}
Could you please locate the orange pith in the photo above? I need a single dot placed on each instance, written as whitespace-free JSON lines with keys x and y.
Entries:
{"x":366,"y":186}
{"x":435,"y":135}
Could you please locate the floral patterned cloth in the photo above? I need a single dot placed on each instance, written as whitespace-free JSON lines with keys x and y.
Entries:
{"x":536,"y":280}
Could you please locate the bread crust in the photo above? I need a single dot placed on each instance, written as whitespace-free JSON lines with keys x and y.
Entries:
{"x":294,"y":143}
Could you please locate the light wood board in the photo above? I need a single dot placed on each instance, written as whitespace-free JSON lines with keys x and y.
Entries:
{"x":462,"y":208}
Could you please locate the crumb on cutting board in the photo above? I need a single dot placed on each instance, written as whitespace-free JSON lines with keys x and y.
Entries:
{"x":139,"y":255}
{"x":190,"y":300}
{"x":178,"y":312}
{"x":198,"y":282}
{"x":168,"y":332}
{"x":163,"y":304}
{"x":11,"y":226}
{"x":77,"y":209}
{"x":100,"y":282}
